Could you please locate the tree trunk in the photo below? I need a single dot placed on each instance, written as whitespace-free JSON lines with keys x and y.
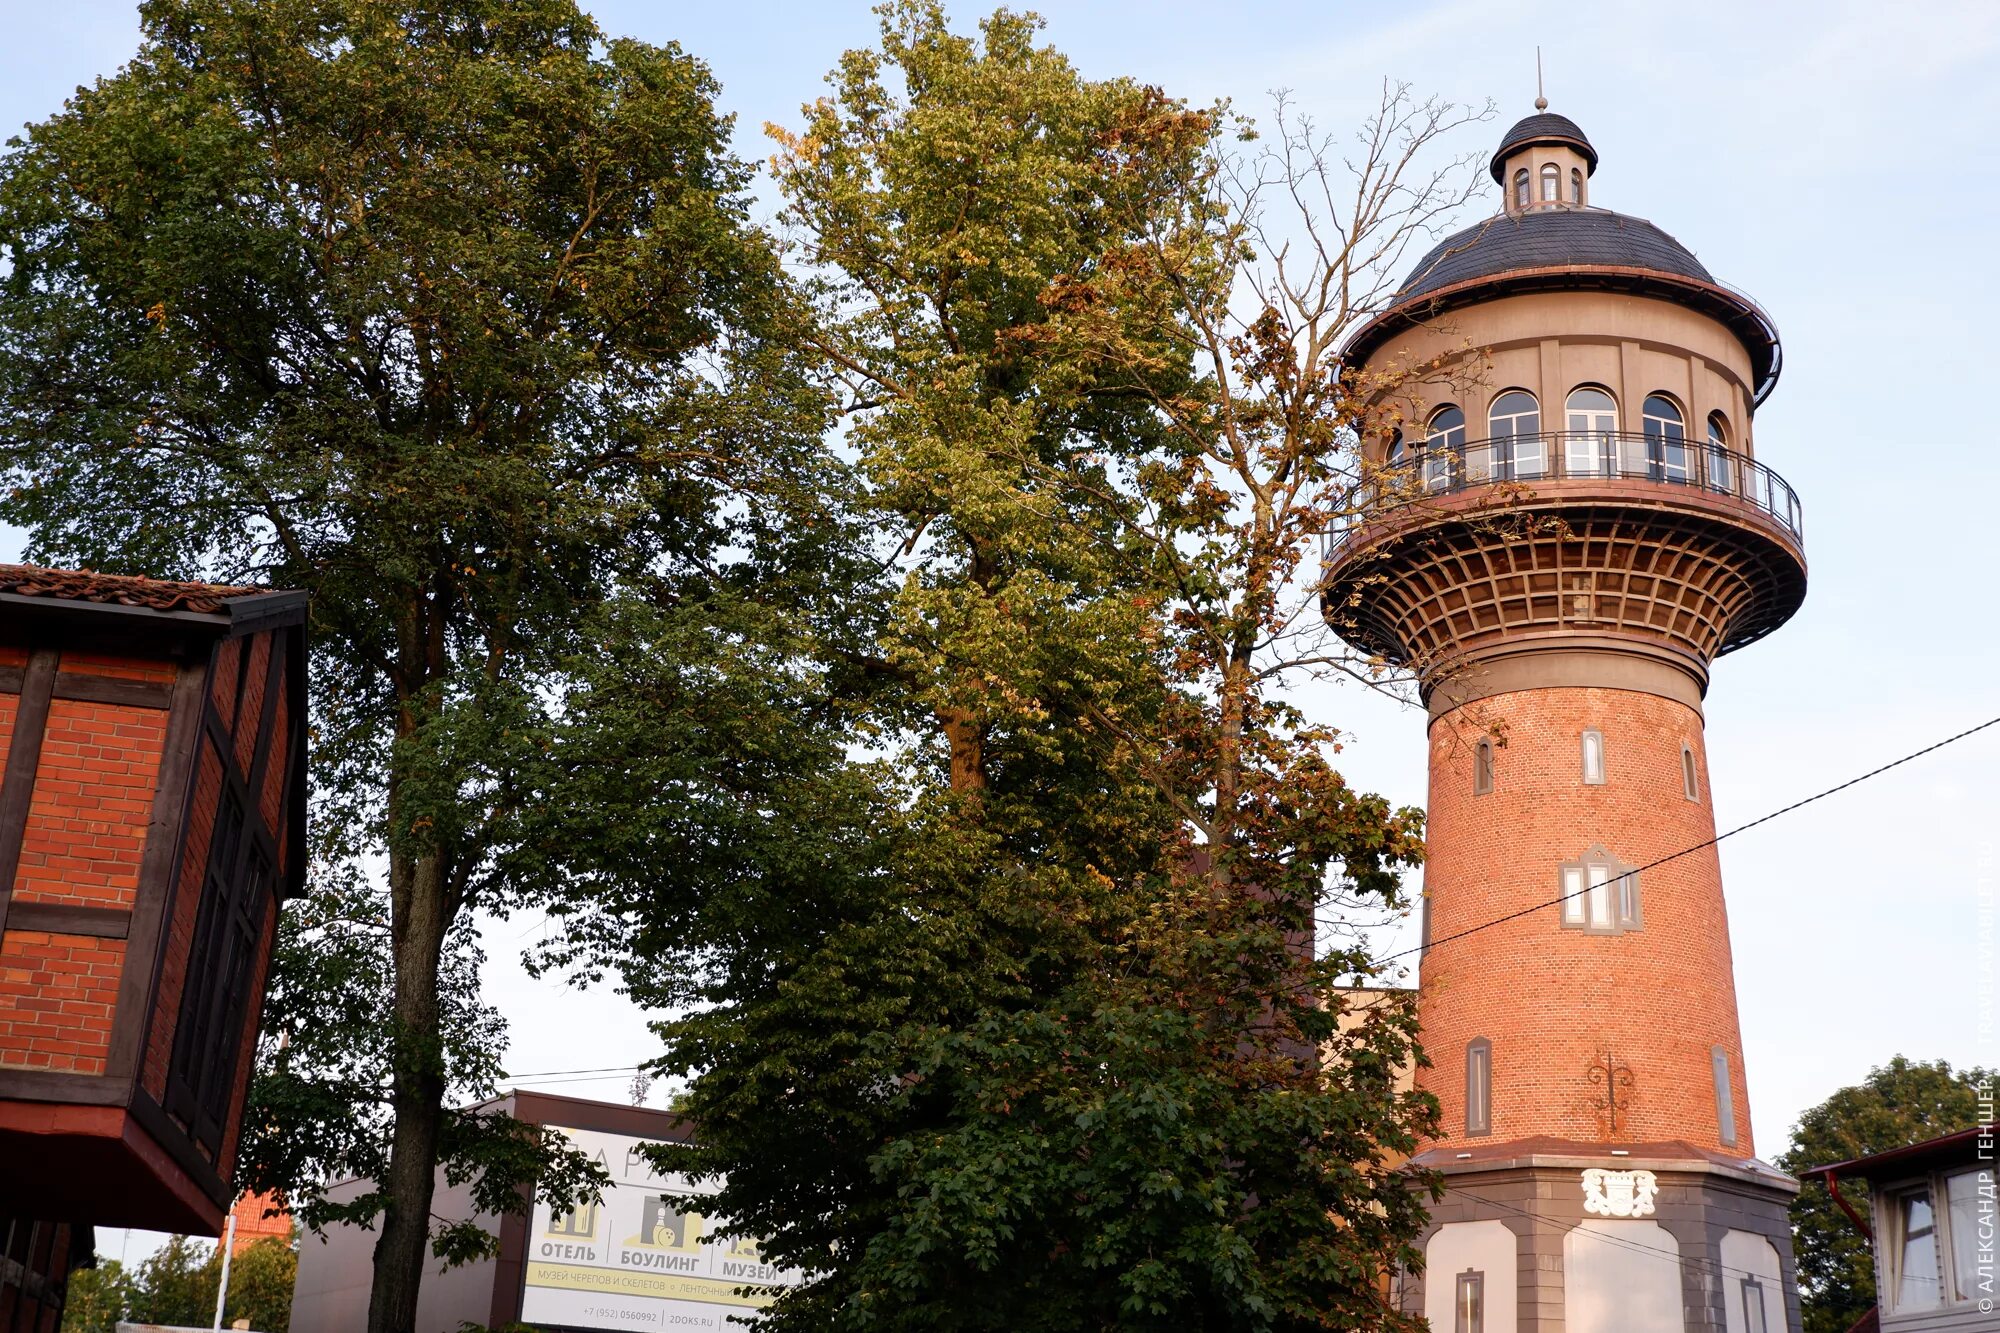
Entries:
{"x":417,"y":887}
{"x":968,"y":749}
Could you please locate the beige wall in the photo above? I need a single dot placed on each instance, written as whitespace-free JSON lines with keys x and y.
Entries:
{"x":1549,"y":343}
{"x":1534,"y":158}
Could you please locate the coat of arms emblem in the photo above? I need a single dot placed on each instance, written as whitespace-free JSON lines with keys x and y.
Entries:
{"x":1619,"y":1193}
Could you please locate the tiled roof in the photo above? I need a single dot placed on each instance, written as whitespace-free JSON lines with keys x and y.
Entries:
{"x":1551,"y":238}
{"x":83,"y":585}
{"x":1544,"y":127}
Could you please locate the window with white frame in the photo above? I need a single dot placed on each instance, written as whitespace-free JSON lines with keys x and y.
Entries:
{"x":1971,"y":1217}
{"x":1915,"y":1254}
{"x":1593,"y":757}
{"x":1600,"y":894}
{"x":1931,"y":1234}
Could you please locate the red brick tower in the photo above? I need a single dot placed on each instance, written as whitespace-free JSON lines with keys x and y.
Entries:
{"x":1572,"y":526}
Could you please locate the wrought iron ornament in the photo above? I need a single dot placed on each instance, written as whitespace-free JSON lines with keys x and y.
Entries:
{"x":1615,"y":1076}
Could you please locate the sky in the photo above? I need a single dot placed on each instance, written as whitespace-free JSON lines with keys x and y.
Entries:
{"x":1834,"y":159}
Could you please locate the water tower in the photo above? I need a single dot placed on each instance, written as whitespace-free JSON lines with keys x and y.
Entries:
{"x":1574,"y":523}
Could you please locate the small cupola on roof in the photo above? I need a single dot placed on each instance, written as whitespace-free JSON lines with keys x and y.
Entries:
{"x":1544,"y":162}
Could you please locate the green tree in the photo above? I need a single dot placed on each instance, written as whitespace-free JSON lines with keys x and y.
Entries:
{"x":447,"y":313}
{"x":261,"y":1279}
{"x":97,"y":1298}
{"x":176,"y":1283}
{"x":1900,"y":1103}
{"x":1013,"y":1021}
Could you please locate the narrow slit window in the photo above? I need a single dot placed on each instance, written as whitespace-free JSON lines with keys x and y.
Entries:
{"x":1469,"y":1303}
{"x":1482,"y":768}
{"x":1725,"y":1100}
{"x":1478,"y":1087}
{"x":1753,"y":1306}
{"x":1575,"y":909}
{"x":1593,"y":757}
{"x":1690,"y":782}
{"x":1628,"y":902}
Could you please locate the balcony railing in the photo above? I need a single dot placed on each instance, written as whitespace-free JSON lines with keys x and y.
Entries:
{"x":1608,"y":455}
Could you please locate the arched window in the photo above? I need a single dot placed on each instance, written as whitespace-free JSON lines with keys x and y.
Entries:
{"x":1593,"y":757}
{"x":1444,"y":445}
{"x":1399,"y":449}
{"x":1515,"y":424}
{"x":1666,"y":440}
{"x":1521,"y":188}
{"x":1552,"y":184}
{"x":1575,"y":185}
{"x":1590,"y":432}
{"x":1482,"y":768}
{"x":1690,"y":779}
{"x":1478,"y":1087}
{"x":1514,"y":412}
{"x":1721,"y":467}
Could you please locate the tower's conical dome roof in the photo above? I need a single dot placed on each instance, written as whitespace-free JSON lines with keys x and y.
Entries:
{"x":1542,"y":127}
{"x":1557,"y":238}
{"x":1555,"y":244}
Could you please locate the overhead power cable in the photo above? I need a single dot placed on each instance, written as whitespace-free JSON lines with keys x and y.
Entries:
{"x":1689,"y":851}
{"x":551,"y":1073}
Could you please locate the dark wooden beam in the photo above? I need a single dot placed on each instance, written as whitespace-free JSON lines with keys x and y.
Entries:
{"x":87,"y":688}
{"x":24,"y":755}
{"x":105,"y":923}
{"x":48,"y":1085}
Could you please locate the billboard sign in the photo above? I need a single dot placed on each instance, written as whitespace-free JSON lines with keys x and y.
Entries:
{"x":646,"y":1257}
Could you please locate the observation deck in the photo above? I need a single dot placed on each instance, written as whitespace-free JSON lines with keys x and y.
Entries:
{"x":1667,"y":547}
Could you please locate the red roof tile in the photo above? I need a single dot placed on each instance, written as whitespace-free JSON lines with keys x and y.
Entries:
{"x":83,"y":585}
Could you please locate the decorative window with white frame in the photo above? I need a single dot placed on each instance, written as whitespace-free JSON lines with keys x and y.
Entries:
{"x":1600,"y":894}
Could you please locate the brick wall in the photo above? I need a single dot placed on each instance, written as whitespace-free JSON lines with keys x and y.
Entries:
{"x":93,"y":797}
{"x":251,"y":708}
{"x":59,"y":992}
{"x":1553,"y":1000}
